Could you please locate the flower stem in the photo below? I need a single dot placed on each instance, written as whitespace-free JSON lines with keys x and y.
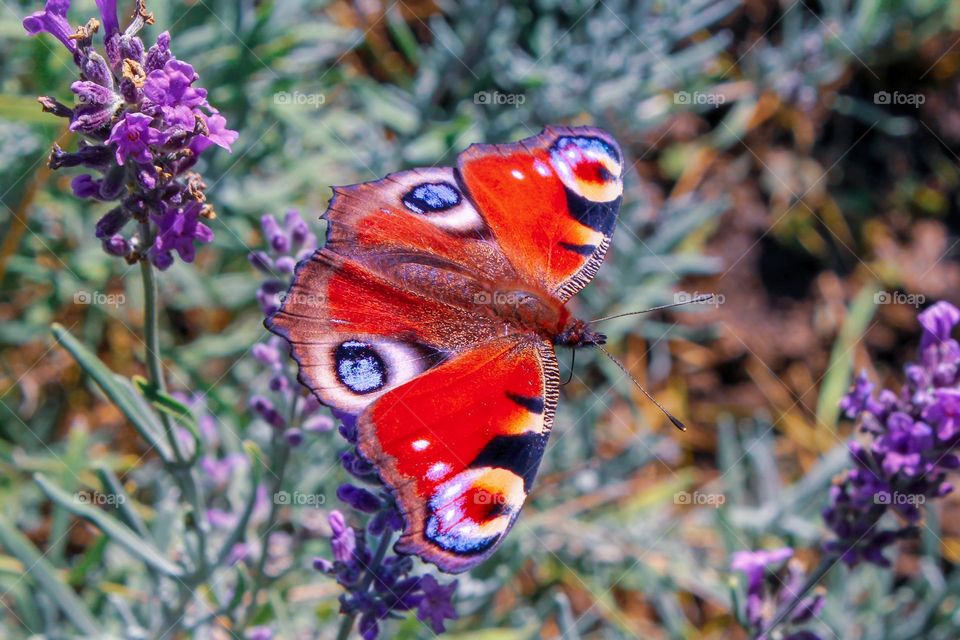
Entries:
{"x":151,"y":337}
{"x":182,"y":474}
{"x":346,"y":625}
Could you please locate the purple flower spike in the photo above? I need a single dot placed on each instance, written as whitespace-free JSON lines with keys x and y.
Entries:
{"x":374,"y":590}
{"x":52,"y":20}
{"x":143,"y":123}
{"x":938,"y":322}
{"x":913,"y":436}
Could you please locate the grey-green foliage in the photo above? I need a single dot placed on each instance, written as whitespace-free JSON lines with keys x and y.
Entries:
{"x":613,"y":63}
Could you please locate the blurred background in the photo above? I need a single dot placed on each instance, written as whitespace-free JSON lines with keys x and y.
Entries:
{"x":798,"y":159}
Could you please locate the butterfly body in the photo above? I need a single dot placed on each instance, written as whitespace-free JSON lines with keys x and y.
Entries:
{"x":431,"y":314}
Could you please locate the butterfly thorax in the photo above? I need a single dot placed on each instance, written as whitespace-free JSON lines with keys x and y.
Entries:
{"x":529,"y":311}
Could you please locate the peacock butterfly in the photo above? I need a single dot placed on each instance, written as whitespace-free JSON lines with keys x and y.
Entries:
{"x":432,"y":312}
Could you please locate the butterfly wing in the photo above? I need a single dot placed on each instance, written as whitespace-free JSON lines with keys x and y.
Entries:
{"x":551,"y":202}
{"x":460,"y":446}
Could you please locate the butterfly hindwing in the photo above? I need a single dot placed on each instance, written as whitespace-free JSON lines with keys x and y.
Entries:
{"x":461,"y":444}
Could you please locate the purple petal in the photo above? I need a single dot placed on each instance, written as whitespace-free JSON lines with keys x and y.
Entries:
{"x":938,"y":322}
{"x":52,"y":20}
{"x":108,"y":11}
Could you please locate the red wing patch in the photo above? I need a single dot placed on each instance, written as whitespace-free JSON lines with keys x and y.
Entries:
{"x":460,"y":445}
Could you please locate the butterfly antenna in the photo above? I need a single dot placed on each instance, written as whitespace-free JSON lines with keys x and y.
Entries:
{"x":703,"y":298}
{"x":673,"y":419}
{"x":573,"y":358}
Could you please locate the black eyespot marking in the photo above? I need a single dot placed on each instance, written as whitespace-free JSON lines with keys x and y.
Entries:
{"x":520,"y":454}
{"x":599,"y":216}
{"x":359,"y":367}
{"x":431,"y":197}
{"x":583,"y":249}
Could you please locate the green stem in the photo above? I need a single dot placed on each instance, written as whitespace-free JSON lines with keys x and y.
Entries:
{"x":181,"y":472}
{"x":151,"y":334}
{"x":347,"y":624}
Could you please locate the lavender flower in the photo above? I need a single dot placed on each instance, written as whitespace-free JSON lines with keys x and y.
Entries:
{"x":143,"y":125}
{"x":767,"y":593}
{"x":377,"y":590}
{"x":289,"y":244}
{"x":911,"y":440}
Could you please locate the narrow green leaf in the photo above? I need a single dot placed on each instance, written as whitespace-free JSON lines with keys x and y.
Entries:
{"x":38,"y":568}
{"x":838,"y":375}
{"x":138,"y":413}
{"x":112,"y":528}
{"x":166,"y":403}
{"x":112,"y":485}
